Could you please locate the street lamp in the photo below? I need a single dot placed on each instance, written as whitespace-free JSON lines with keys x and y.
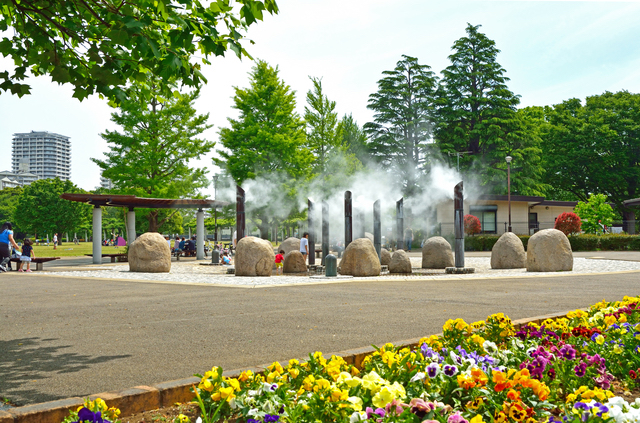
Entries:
{"x":215,"y":208}
{"x":508,"y":159}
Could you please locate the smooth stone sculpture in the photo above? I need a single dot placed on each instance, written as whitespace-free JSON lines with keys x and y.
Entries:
{"x":385,"y":257}
{"x":400,"y":262}
{"x":289,"y":244}
{"x":508,"y":253}
{"x":360,"y":259}
{"x":254,"y":257}
{"x":437,"y":254}
{"x":150,"y":253}
{"x":549,"y":251}
{"x":294,"y":262}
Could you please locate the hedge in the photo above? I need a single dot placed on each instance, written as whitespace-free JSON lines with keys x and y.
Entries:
{"x":583,"y":242}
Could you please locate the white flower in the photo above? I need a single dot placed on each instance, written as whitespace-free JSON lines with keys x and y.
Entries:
{"x":418,"y":376}
{"x":199,"y":420}
{"x":358,"y":416}
{"x":490,"y":347}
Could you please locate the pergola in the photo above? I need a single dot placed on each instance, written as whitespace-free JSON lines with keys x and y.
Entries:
{"x":131,"y":202}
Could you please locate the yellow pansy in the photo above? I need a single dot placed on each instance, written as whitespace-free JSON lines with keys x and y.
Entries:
{"x":356,"y":403}
{"x":234,"y":383}
{"x":383,"y":397}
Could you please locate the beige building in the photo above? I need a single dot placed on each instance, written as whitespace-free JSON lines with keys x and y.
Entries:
{"x":528,"y":213}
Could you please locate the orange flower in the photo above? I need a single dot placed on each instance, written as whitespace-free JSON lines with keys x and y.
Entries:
{"x":513,"y":395}
{"x":500,"y":379}
{"x":479,"y":376}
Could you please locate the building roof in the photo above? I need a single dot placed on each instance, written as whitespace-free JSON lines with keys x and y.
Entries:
{"x":632,"y":203}
{"x":524,"y":198}
{"x":131,"y":201}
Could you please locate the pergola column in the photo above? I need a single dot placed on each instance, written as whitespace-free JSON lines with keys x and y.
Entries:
{"x":131,"y":225}
{"x":200,"y":235}
{"x":97,"y":235}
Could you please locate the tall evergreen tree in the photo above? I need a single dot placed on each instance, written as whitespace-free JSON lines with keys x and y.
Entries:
{"x":476,"y":113}
{"x":402,"y":122}
{"x":322,"y":124}
{"x":354,"y":138}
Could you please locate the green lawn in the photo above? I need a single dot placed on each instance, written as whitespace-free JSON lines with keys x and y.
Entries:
{"x":72,"y":250}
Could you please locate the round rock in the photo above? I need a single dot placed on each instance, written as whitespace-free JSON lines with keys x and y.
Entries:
{"x":290,"y":244}
{"x":400,"y":262}
{"x":549,"y":251}
{"x":360,"y":259}
{"x":294,"y":262}
{"x":508,"y":253}
{"x":254,"y":257}
{"x":150,"y":253}
{"x":437,"y":254}
{"x":385,"y":257}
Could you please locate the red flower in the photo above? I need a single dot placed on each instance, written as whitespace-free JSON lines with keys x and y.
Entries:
{"x":633,"y":374}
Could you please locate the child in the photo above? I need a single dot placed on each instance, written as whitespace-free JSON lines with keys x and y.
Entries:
{"x":280,"y":262}
{"x":27,"y":253}
{"x":225,"y":259}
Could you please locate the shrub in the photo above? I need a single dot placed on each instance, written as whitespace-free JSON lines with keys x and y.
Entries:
{"x":568,"y":223}
{"x":595,"y":214}
{"x":472,"y":225}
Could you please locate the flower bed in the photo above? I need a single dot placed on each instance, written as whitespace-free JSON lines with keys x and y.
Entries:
{"x":560,"y":370}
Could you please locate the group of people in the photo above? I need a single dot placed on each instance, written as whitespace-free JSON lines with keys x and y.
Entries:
{"x":7,"y":244}
{"x":182,"y":244}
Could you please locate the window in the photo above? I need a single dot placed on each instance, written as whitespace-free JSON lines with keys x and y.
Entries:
{"x":487,"y":216}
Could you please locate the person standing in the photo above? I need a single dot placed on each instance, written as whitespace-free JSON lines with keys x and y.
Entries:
{"x":27,"y":254}
{"x":304,"y":246}
{"x":408,"y":238}
{"x":6,"y":242}
{"x":55,"y":241}
{"x":280,"y":262}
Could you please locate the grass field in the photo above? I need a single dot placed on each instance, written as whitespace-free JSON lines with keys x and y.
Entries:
{"x":72,"y":250}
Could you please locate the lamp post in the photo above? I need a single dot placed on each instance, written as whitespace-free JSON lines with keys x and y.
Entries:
{"x":508,"y":159}
{"x":215,"y":209}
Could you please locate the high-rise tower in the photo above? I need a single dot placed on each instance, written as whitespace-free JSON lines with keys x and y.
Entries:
{"x":42,"y":153}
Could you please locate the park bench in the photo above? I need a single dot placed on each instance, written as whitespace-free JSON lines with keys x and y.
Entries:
{"x":39,"y":261}
{"x":112,"y":256}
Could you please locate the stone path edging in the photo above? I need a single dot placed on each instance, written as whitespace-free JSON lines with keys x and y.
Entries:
{"x":166,"y":394}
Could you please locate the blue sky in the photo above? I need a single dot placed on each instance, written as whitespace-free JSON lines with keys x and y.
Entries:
{"x":551,"y":50}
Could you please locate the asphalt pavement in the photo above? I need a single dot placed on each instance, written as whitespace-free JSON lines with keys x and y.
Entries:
{"x":63,"y":337}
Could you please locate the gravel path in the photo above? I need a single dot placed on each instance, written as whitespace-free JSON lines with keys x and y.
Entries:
{"x":193,"y":272}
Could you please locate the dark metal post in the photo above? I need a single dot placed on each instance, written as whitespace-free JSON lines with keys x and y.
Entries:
{"x":312,"y":233}
{"x":400,"y":223}
{"x":348,"y":219}
{"x":377,"y":228}
{"x":509,"y":190}
{"x":458,"y":219}
{"x":240,"y":216}
{"x":325,"y":230}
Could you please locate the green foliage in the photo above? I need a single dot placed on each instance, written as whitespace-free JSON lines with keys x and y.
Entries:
{"x":104,"y":47}
{"x":268,"y":136}
{"x":476,"y":113}
{"x":595,"y":214}
{"x":354,"y":139}
{"x":322,"y":123}
{"x":150,"y":157}
{"x":584,"y":242}
{"x":40,"y":209}
{"x":402,"y":123}
{"x":8,"y":202}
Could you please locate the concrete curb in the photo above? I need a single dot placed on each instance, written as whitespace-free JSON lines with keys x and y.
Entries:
{"x":166,"y":394}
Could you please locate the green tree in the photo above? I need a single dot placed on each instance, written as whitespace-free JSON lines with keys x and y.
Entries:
{"x":400,"y":131}
{"x":41,"y":211}
{"x":354,"y":138}
{"x":595,"y":214}
{"x":595,"y":147}
{"x":8,"y":202}
{"x":150,"y":157}
{"x":322,"y":126}
{"x":268,"y":138}
{"x":476,"y":113}
{"x":104,"y":46}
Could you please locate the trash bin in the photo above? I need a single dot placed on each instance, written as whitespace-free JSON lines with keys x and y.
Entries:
{"x":331,"y":266}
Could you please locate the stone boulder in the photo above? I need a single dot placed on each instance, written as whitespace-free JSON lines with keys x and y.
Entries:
{"x":400,"y":262}
{"x":369,"y":236}
{"x":385,"y":257}
{"x":360,"y":259}
{"x":289,"y":244}
{"x":508,"y":253}
{"x":254,"y":257}
{"x":549,"y":251}
{"x":437,"y":254}
{"x":150,"y":253}
{"x":294,"y":262}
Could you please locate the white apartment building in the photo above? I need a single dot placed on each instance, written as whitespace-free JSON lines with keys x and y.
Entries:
{"x":42,"y":153}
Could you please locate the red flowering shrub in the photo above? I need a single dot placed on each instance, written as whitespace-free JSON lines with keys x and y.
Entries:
{"x":472,"y":225}
{"x":568,"y":223}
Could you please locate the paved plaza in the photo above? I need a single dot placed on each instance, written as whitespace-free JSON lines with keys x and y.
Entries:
{"x":74,"y":331}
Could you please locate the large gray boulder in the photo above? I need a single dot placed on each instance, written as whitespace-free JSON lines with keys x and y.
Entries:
{"x":508,"y":253}
{"x":549,"y":251}
{"x":254,"y":257}
{"x":360,"y":259}
{"x":400,"y":262}
{"x":150,"y":253}
{"x":385,"y":257}
{"x":294,"y":262}
{"x":437,"y":254}
{"x":290,"y":244}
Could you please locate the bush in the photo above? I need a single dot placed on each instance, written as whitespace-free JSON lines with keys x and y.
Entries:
{"x":472,"y":225}
{"x":568,"y":223}
{"x":584,"y":242}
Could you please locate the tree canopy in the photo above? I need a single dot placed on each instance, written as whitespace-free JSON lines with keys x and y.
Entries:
{"x":103,"y":46}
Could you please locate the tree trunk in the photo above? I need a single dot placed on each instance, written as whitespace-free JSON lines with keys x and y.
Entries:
{"x":153,"y":221}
